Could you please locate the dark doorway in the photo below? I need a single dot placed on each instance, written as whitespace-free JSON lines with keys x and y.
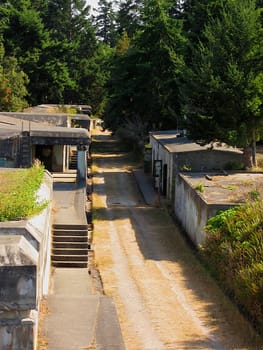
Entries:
{"x":164,"y":179}
{"x":44,"y":154}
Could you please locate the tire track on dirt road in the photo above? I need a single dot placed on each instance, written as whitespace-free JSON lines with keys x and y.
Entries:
{"x":164,"y":297}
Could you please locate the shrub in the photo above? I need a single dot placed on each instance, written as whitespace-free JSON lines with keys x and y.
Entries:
{"x":234,"y":165}
{"x":233,"y":252}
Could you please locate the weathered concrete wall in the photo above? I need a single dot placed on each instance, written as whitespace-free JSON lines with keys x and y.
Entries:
{"x":8,"y":150}
{"x":192,"y":211}
{"x":184,"y":153}
{"x":42,"y":225}
{"x":205,"y":159}
{"x":18,"y":276}
{"x":37,"y":231}
{"x":17,"y":334}
{"x":7,"y":162}
{"x":24,"y":274}
{"x":159,"y":152}
{"x":18,"y":273}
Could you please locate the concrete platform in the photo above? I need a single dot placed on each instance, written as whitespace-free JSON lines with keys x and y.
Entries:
{"x":145,"y":185}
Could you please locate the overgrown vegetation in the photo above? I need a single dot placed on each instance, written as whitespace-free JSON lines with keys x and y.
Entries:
{"x":233,"y":252}
{"x":18,"y":191}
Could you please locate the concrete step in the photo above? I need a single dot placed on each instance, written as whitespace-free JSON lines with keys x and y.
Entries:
{"x":70,"y":245}
{"x":70,"y":232}
{"x":64,"y":239}
{"x":73,"y":245}
{"x":70,"y":264}
{"x":69,"y":258}
{"x":69,"y":227}
{"x":70,"y":251}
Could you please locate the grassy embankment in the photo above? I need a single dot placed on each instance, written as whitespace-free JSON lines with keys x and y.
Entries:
{"x":18,"y":193}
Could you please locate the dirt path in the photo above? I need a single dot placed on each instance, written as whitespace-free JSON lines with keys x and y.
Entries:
{"x":164,"y":298}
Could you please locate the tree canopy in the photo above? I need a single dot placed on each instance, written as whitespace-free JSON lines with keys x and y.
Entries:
{"x":222,"y":90}
{"x":193,"y":64}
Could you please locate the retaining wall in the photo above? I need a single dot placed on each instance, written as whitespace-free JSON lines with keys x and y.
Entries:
{"x":24,"y":274}
{"x":192,"y":211}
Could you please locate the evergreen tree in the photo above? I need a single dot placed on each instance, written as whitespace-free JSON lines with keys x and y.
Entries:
{"x":66,"y":19}
{"x":105,"y":22}
{"x":129,"y":17}
{"x":197,"y":13}
{"x":73,"y":44}
{"x":223,"y":89}
{"x":94,"y":74}
{"x":24,"y":37}
{"x":144,"y":80}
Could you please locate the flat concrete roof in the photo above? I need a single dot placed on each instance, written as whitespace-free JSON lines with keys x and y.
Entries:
{"x":56,"y":119}
{"x":233,"y":188}
{"x":11,"y":126}
{"x":175,"y":143}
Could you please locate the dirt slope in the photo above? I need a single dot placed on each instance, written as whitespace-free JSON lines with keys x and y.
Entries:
{"x":164,"y":298}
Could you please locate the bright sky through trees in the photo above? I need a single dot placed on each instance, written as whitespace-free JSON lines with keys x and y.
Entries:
{"x":92,"y":3}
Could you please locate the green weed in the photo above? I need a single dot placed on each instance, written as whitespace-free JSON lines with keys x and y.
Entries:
{"x":200,"y":188}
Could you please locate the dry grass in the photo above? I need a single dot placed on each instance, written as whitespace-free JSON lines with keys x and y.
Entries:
{"x":247,"y":191}
{"x":43,"y":312}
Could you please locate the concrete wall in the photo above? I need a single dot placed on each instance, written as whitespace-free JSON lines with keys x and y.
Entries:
{"x":7,"y":162}
{"x":42,"y":224}
{"x":195,"y":160}
{"x":192,"y":211}
{"x":24,"y":274}
{"x":8,"y":151}
{"x":159,"y":152}
{"x":205,"y":159}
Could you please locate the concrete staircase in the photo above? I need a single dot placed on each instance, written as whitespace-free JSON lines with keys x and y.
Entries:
{"x":73,"y":160}
{"x":70,"y":245}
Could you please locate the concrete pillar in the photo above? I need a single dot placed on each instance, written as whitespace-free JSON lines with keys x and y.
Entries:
{"x":82,"y":163}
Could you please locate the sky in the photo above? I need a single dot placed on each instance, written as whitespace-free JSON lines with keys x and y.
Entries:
{"x":92,"y":3}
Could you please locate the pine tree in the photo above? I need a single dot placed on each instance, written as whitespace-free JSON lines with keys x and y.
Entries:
{"x":129,"y":17}
{"x":223,"y":89}
{"x":105,"y":23}
{"x":143,"y":84}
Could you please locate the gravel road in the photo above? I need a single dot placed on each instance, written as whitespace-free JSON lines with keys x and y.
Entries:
{"x":164,"y":297}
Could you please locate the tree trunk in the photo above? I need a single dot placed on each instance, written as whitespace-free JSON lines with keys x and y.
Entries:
{"x":254,"y":148}
{"x":247,"y":157}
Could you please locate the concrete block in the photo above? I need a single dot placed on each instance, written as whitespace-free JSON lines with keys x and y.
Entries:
{"x":19,"y":333}
{"x":18,"y":274}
